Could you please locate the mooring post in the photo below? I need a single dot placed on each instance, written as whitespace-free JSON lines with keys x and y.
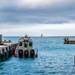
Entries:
{"x":74,"y":60}
{"x":0,"y":38}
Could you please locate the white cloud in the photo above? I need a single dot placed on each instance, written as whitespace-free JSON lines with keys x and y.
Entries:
{"x":45,"y":29}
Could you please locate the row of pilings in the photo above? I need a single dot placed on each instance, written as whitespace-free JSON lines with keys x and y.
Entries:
{"x":6,"y":49}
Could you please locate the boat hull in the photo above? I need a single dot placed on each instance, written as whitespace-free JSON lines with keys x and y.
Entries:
{"x":25,"y":53}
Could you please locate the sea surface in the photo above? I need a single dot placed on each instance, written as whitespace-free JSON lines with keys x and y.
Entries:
{"x":54,"y":58}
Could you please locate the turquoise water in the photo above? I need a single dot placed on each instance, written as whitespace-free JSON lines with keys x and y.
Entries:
{"x":55,"y":58}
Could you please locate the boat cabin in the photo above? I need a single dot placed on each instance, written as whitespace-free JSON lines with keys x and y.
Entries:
{"x":25,"y":43}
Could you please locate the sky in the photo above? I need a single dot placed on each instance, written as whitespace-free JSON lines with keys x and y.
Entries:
{"x":36,"y":17}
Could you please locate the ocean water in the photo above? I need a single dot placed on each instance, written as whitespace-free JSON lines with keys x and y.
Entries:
{"x":54,"y":58}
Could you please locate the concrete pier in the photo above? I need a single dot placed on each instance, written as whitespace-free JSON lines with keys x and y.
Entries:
{"x":6,"y":49}
{"x":11,"y":47}
{"x":3,"y":52}
{"x":67,"y":41}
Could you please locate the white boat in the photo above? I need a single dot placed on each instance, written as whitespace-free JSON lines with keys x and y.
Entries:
{"x":25,"y":48}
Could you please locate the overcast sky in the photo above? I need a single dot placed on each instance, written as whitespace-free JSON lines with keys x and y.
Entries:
{"x":36,"y":17}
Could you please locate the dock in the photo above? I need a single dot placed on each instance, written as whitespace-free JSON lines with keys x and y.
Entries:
{"x":67,"y":41}
{"x":6,"y":49}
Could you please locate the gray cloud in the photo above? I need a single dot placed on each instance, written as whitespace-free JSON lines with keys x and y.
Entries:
{"x":37,"y":11}
{"x":35,"y":3}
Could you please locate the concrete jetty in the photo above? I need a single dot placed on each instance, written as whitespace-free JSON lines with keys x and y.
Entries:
{"x":67,"y":41}
{"x":6,"y":49}
{"x":11,"y":47}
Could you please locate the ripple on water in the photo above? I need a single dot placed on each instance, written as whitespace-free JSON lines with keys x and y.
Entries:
{"x":55,"y":58}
